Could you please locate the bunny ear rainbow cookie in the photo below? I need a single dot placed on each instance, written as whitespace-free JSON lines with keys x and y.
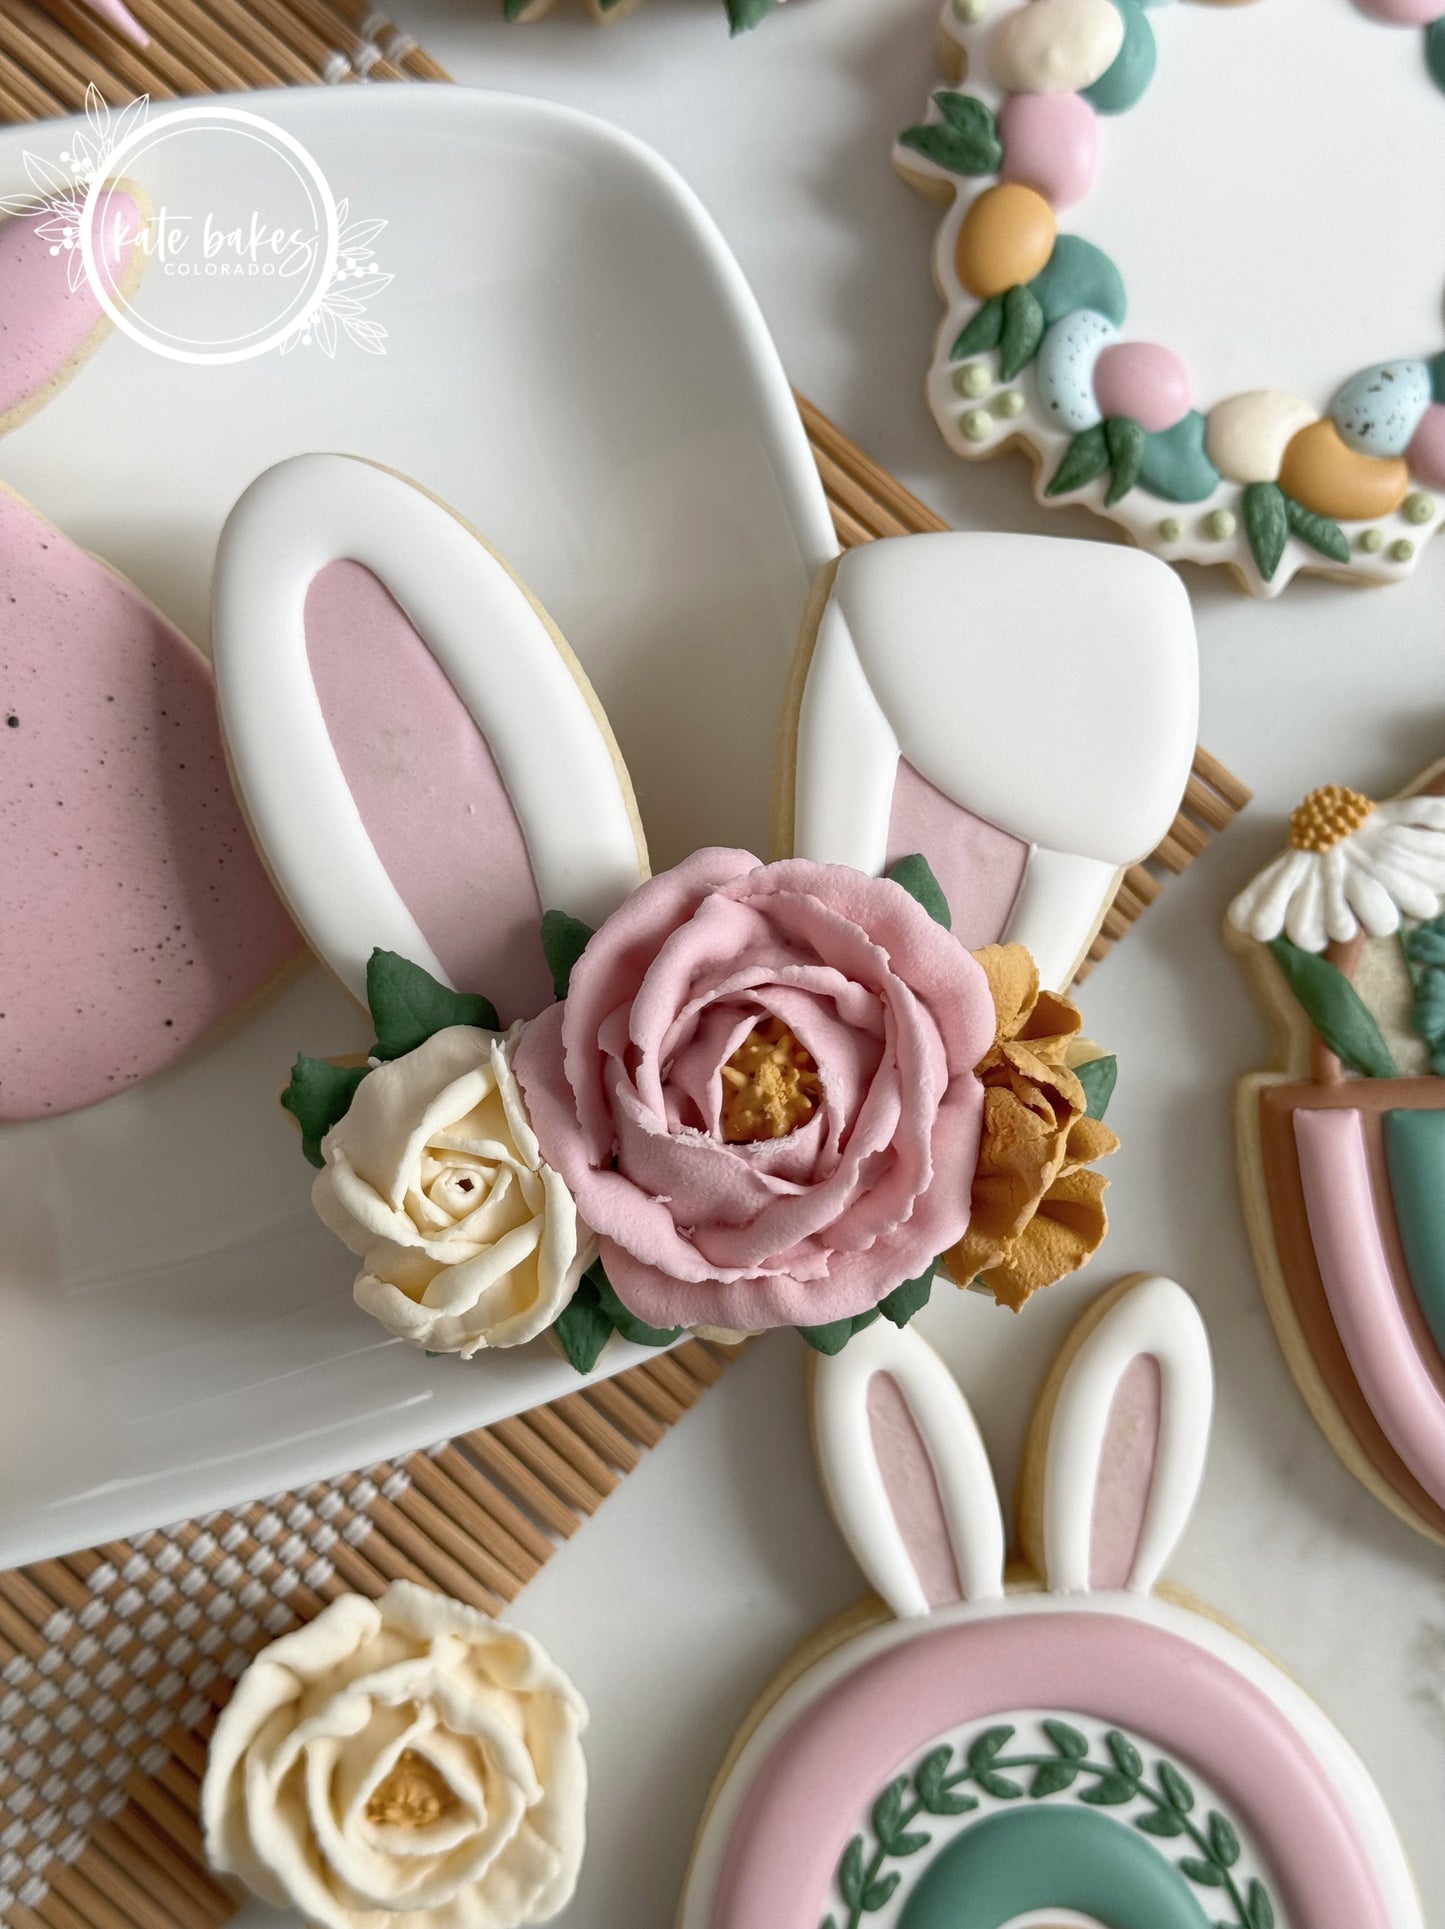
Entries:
{"x":935,"y":661}
{"x":1342,"y":1142}
{"x":1077,"y":1749}
{"x":424,"y":766}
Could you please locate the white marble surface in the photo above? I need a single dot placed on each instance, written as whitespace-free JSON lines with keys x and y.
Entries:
{"x":677,"y":1604}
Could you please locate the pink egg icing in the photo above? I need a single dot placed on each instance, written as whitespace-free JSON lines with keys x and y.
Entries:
{"x":1426,"y":453}
{"x":1145,"y":381}
{"x":136,"y":913}
{"x":44,"y":323}
{"x":1404,"y":13}
{"x":1051,"y":142}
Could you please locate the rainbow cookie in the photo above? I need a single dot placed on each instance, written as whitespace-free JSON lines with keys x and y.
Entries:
{"x":1070,"y":1745}
{"x":1341,"y":1147}
{"x":137,"y":916}
{"x":734,"y":1095}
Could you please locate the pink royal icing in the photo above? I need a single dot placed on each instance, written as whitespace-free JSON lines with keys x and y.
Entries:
{"x":1126,"y":1474}
{"x":44,"y":322}
{"x":911,"y":1484}
{"x":428,"y":790}
{"x":1051,"y":143}
{"x":1404,"y":13}
{"x":1144,"y":381}
{"x":795,"y":1820}
{"x":136,"y":912}
{"x":1426,"y":453}
{"x":979,"y":868}
{"x":1367,"y":1293}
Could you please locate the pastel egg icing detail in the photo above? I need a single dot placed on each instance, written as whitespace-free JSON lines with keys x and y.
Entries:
{"x":1123,"y":85}
{"x":1052,"y":143}
{"x":1064,"y":370}
{"x":1055,"y":46}
{"x":1426,"y":454}
{"x":1248,"y":434}
{"x":1403,"y":13}
{"x":1324,"y":473}
{"x":1379,"y":410}
{"x":1007,"y":236}
{"x":1145,"y":381}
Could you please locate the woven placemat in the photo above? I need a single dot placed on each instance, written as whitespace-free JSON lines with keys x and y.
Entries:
{"x":114,"y":1662}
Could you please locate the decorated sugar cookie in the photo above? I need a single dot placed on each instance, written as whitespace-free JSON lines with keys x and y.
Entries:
{"x":739,"y":1094}
{"x":1037,"y":348}
{"x":741,"y":14}
{"x":1067,"y":1747}
{"x":1342,"y":1142}
{"x":137,"y":916}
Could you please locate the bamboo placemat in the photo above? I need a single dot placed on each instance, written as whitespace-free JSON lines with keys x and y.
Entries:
{"x":113,"y":1662}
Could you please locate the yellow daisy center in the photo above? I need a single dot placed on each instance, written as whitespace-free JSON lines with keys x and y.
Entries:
{"x":1327,"y":817}
{"x":414,"y":1795}
{"x":771,"y":1086}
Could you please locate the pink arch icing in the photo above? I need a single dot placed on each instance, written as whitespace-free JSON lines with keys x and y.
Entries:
{"x":1365,"y":1302}
{"x":979,"y":866}
{"x":800,"y":1808}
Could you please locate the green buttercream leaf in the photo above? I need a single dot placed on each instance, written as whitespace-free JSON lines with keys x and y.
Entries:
{"x":877,"y":1893}
{"x":965,"y":142}
{"x":1023,"y":330}
{"x":986,"y":1748}
{"x":835,"y":1335}
{"x":1223,"y":1842}
{"x":583,"y":1328}
{"x":1318,"y":531}
{"x":564,"y":940}
{"x":984,"y":332}
{"x":1176,"y":466}
{"x":743,"y":14}
{"x":408,"y":1006}
{"x":932,"y":1784}
{"x":887,"y":1814}
{"x":1123,"y":82}
{"x":1079,"y":275}
{"x":1435,"y":52}
{"x":1086,"y":457}
{"x":851,"y":1878}
{"x":1127,"y":1758}
{"x":318,"y":1097}
{"x":1053,"y":1778}
{"x":999,"y":1786}
{"x":1266,"y":523}
{"x":1335,"y":1009}
{"x":909,"y":1298}
{"x":1098,"y":1078}
{"x":1110,"y":1791}
{"x":1202,"y":1872}
{"x":1259,"y":1906}
{"x":1424,"y":949}
{"x":915,"y":875}
{"x":1126,"y":442}
{"x":622,"y":1318}
{"x":1181,"y":1795}
{"x":1069,"y":1742}
{"x":1160,"y":1821}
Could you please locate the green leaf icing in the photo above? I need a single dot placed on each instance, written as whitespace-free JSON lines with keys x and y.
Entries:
{"x":1318,"y":531}
{"x":965,"y":141}
{"x":564,"y":940}
{"x":984,"y":332}
{"x":1435,"y":52}
{"x":1125,"y":440}
{"x":1023,"y":330}
{"x":583,"y":1328}
{"x":909,"y":1298}
{"x":835,"y":1335}
{"x":743,"y":14}
{"x":318,"y":1097}
{"x":1079,"y":275}
{"x":915,"y":875}
{"x":1266,"y":523}
{"x":1437,"y":377}
{"x":1335,"y":1009}
{"x":624,"y":1321}
{"x":1424,"y":949}
{"x":1123,"y":82}
{"x":408,"y":1005}
{"x":1086,"y":457}
{"x":1175,"y":466}
{"x":1023,"y":1778}
{"x":1098,"y":1078}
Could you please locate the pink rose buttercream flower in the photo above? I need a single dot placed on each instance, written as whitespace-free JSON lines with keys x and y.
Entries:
{"x":761,"y":1091}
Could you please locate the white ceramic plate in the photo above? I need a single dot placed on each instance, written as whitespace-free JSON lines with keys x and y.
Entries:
{"x":577,"y":365}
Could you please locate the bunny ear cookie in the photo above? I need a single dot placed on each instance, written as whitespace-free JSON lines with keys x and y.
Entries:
{"x":423,"y":764}
{"x":976,"y":699}
{"x":51,"y":320}
{"x":1079,"y":1750}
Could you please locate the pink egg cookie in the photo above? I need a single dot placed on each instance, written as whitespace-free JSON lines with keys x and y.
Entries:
{"x":137,"y":915}
{"x":1051,"y":142}
{"x":1144,"y":381}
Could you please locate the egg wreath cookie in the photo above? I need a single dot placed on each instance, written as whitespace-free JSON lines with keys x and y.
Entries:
{"x":1034,"y":349}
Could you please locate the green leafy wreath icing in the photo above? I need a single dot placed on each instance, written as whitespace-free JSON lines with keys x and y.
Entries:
{"x":940,"y":1787}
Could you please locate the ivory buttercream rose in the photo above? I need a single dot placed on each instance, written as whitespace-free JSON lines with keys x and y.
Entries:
{"x":761,"y":1091}
{"x":404,"y":1763}
{"x":435,"y":1180}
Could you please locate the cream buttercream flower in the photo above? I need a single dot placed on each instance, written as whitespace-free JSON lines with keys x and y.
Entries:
{"x":434,"y":1179}
{"x":405,"y":1762}
{"x":1352,"y":864}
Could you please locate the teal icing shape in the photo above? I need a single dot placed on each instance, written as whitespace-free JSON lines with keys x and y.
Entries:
{"x":1415,"y":1156}
{"x":1123,"y":83}
{"x":1079,"y":275}
{"x":1437,"y":378}
{"x":1175,"y":467}
{"x":1051,"y":1858}
{"x":1435,"y":52}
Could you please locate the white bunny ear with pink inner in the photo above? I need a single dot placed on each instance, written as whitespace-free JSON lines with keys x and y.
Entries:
{"x":906,"y":1473}
{"x":1127,"y":1433}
